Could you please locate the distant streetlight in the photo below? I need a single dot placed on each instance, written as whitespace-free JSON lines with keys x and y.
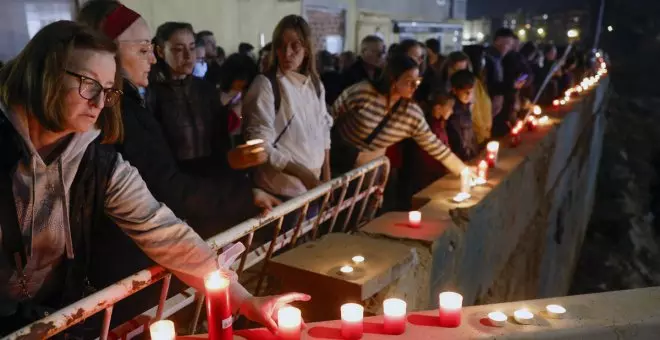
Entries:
{"x":522,"y":33}
{"x":540,"y":31}
{"x":610,"y":28}
{"x":480,"y":36}
{"x":545,"y":17}
{"x":573,"y":33}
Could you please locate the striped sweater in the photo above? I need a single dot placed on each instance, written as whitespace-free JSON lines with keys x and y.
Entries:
{"x":362,"y":108}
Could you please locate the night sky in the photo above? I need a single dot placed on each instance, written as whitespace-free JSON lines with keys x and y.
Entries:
{"x":495,"y":8}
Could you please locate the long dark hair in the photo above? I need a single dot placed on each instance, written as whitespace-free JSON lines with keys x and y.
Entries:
{"x":397,"y":65}
{"x":163,"y":34}
{"x":300,"y":26}
{"x":237,"y":67}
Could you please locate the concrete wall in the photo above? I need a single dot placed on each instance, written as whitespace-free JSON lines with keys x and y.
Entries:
{"x":518,"y":237}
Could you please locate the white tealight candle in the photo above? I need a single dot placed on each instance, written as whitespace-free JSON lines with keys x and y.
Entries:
{"x":466,"y":181}
{"x":359,"y":259}
{"x":497,"y":319}
{"x":254,"y":142}
{"x":537,"y":110}
{"x":523,"y":316}
{"x":555,"y":311}
{"x":162,"y":330}
{"x":346,"y":270}
{"x":544,"y":120}
{"x":462,"y":197}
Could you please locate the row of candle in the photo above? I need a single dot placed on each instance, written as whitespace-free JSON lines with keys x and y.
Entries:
{"x":524,"y":316}
{"x":585,"y":84}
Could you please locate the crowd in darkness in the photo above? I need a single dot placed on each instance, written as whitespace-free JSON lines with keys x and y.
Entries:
{"x":114,"y":136}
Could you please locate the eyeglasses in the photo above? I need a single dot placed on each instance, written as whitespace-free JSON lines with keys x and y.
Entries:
{"x":91,"y":89}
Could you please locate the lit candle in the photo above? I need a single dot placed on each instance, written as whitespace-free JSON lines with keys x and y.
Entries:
{"x":497,"y":319}
{"x":218,"y":308}
{"x":351,"y":321}
{"x":162,"y":330}
{"x":515,"y":134}
{"x":537,"y":110}
{"x":492,"y":150}
{"x":562,"y":102}
{"x":415,"y":218}
{"x":395,"y":316}
{"x":532,"y":123}
{"x":579,"y":89}
{"x":544,"y":120}
{"x":289,"y":323}
{"x":462,"y":197}
{"x":358,"y":259}
{"x":450,"y":309}
{"x":482,"y":173}
{"x":555,"y":102}
{"x":523,"y":316}
{"x":254,"y":142}
{"x":555,"y":311}
{"x":346,"y":270}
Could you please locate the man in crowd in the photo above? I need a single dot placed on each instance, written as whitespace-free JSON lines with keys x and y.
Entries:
{"x":369,"y":64}
{"x":212,"y":58}
{"x":502,"y":44}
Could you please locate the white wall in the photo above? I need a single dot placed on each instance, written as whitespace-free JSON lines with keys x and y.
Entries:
{"x":232,"y":21}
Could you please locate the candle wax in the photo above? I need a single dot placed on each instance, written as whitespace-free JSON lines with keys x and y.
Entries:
{"x":289,"y":323}
{"x":351,"y":321}
{"x":162,"y":330}
{"x":414,"y":218}
{"x":395,"y":316}
{"x":218,"y":308}
{"x":450,"y":309}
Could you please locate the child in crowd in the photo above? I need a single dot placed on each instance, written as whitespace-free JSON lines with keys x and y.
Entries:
{"x":437,"y":113}
{"x":460,"y":132}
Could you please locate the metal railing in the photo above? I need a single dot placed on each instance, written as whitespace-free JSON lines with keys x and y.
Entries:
{"x":366,"y":184}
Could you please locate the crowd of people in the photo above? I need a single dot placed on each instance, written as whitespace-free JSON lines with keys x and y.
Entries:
{"x":111,"y":137}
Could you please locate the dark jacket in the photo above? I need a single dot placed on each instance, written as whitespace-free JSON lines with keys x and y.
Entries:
{"x":428,"y":169}
{"x":460,"y":132}
{"x":209,"y":205}
{"x":494,"y":72}
{"x":86,"y":205}
{"x":332,"y":82}
{"x":357,"y":73}
{"x":194,"y":122}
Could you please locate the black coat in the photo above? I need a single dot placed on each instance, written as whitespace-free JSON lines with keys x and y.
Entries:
{"x":209,"y":205}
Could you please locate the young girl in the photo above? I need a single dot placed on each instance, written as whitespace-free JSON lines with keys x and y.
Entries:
{"x":428,"y":169}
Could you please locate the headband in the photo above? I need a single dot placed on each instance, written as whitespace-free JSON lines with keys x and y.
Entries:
{"x":118,"y":21}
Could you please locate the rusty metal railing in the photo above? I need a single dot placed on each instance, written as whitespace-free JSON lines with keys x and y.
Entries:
{"x":366,"y":185}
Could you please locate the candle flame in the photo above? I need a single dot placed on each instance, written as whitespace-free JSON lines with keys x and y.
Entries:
{"x":289,"y":317}
{"x":537,"y":110}
{"x":544,"y":120}
{"x":451,"y":300}
{"x":346,"y":269}
{"x":556,"y":309}
{"x":358,"y":259}
{"x":216,"y":280}
{"x":352,"y":312}
{"x":162,"y":330}
{"x":493,"y":146}
{"x":555,"y":102}
{"x":394,"y":307}
{"x":254,"y":142}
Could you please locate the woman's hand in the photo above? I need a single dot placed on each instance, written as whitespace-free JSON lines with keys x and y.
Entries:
{"x":247,"y":156}
{"x":264,"y":200}
{"x":263,"y":310}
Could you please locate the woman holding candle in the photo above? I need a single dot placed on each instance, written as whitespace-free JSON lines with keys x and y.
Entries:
{"x":59,"y":180}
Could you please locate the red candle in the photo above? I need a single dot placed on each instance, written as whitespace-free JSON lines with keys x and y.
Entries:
{"x":414,"y":219}
{"x":492,"y":149}
{"x":395,"y":316}
{"x":218,"y":308}
{"x":289,"y":323}
{"x":450,"y":309}
{"x":515,"y":137}
{"x":351,"y":321}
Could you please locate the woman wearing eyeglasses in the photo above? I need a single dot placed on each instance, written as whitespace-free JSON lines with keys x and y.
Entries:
{"x":371,"y":116}
{"x":56,"y":181}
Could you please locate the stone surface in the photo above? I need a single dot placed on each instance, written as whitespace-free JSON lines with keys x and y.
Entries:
{"x":631,"y":314}
{"x":313,"y":268}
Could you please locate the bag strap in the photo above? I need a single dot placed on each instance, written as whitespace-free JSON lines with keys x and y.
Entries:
{"x":382,"y":123}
